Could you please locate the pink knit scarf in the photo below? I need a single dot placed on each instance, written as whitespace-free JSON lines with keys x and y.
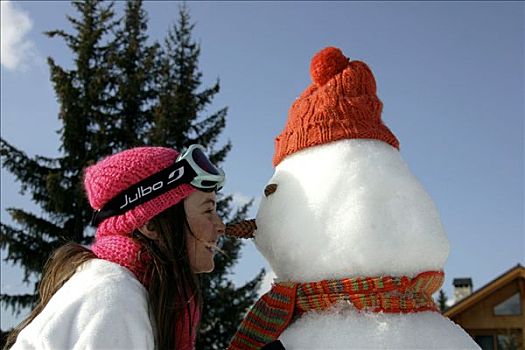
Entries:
{"x":126,"y":252}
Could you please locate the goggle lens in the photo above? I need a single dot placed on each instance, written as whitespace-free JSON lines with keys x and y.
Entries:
{"x":203,"y":162}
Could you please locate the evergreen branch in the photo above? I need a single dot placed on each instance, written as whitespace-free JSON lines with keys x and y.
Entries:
{"x":209,"y":122}
{"x":27,"y":250}
{"x":210,"y":135}
{"x":36,"y":226}
{"x":224,"y":263}
{"x":232,"y":248}
{"x":29,"y":172}
{"x":52,"y":163}
{"x":105,"y":14}
{"x":205,"y":97}
{"x":224,"y":207}
{"x":225,"y":308}
{"x":242,"y":212}
{"x":71,"y":40}
{"x":18,"y":302}
{"x":218,"y":156}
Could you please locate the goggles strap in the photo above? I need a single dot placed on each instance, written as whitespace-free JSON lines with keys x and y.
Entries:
{"x":153,"y":186}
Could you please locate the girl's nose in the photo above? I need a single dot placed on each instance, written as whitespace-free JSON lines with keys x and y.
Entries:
{"x":221,"y":228}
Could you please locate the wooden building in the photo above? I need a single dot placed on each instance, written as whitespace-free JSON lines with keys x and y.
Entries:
{"x":494,"y":315}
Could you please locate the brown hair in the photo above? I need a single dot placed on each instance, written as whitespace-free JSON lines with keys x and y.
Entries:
{"x":172,"y":285}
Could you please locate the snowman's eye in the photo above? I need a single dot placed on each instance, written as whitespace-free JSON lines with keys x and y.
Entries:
{"x":271,"y":188}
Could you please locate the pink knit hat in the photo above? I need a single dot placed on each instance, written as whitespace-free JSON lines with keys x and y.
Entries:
{"x":114,"y":174}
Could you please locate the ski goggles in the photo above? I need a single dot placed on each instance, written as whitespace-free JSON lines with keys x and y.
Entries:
{"x":191,"y":167}
{"x":207,"y":176}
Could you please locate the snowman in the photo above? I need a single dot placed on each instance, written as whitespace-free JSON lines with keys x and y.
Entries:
{"x":354,"y":240}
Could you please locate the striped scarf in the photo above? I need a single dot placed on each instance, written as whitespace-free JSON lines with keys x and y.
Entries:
{"x":275,"y":310}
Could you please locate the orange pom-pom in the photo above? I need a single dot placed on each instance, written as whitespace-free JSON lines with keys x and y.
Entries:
{"x":326,"y":64}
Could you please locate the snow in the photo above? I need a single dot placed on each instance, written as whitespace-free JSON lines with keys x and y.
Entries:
{"x":347,"y":209}
{"x":337,"y":329}
{"x":266,"y":283}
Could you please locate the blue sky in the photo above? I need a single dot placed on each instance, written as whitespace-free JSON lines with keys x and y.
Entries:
{"x":450,"y":75}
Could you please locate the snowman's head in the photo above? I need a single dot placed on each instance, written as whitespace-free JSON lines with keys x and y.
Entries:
{"x":345,"y":209}
{"x":342,"y":202}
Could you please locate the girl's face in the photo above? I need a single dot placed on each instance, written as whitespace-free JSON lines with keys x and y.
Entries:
{"x":205,"y":228}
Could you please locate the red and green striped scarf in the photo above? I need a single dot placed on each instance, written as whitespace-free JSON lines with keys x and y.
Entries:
{"x":275,"y":310}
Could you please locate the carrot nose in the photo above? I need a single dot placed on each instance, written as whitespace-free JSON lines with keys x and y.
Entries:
{"x":243,"y":229}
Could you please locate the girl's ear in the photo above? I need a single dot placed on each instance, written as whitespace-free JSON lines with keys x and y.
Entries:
{"x":148,"y":230}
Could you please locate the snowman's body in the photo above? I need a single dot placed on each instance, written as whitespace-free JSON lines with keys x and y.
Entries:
{"x":348,"y":329}
{"x":352,"y":208}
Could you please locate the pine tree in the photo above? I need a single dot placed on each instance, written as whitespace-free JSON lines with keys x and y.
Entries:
{"x":55,"y":184}
{"x":442,"y":300}
{"x":134,"y":64}
{"x":178,"y":123}
{"x":177,"y":114}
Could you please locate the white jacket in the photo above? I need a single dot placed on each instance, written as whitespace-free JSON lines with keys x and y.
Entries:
{"x":102,"y":306}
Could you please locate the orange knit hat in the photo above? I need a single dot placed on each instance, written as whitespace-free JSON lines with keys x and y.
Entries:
{"x":341,"y":103}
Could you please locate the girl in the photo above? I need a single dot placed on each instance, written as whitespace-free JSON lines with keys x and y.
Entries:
{"x":136,"y":288}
